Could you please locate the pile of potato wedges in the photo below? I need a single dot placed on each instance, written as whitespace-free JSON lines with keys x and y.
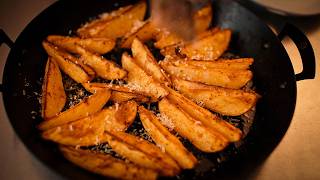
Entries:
{"x":192,"y":87}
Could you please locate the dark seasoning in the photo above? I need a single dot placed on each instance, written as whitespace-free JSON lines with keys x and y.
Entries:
{"x":207,"y":162}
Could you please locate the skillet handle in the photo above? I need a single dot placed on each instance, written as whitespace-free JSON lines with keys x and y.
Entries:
{"x":305,"y":49}
{"x":4,"y":38}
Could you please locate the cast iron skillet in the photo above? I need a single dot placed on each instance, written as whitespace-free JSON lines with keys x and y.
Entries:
{"x":274,"y":79}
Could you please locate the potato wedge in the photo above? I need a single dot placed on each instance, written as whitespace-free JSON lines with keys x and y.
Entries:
{"x":103,"y":67}
{"x":146,"y":31}
{"x":210,"y":120}
{"x":166,"y":38}
{"x":208,"y":48}
{"x":95,"y":45}
{"x":228,"y":78}
{"x":116,"y":26}
{"x":106,"y":165}
{"x":138,"y":157}
{"x":87,"y":131}
{"x":53,"y":96}
{"x":94,"y":26}
{"x":202,"y":19}
{"x":86,"y":107}
{"x":120,"y":116}
{"x":119,"y":97}
{"x":163,"y":138}
{"x":200,"y":136}
{"x":152,"y":151}
{"x":140,"y":80}
{"x":145,"y":60}
{"x":236,"y":64}
{"x":230,"y":102}
{"x":171,"y":51}
{"x":69,"y":64}
{"x":120,"y":93}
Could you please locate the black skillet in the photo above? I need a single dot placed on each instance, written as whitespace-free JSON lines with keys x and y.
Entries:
{"x":274,"y":79}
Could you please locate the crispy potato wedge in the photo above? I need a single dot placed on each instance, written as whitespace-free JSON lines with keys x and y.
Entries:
{"x":117,"y":26}
{"x":208,"y":48}
{"x":230,"y":102}
{"x":145,"y":60}
{"x":207,"y":33}
{"x":171,"y":51}
{"x":200,"y":136}
{"x":94,"y":26}
{"x":166,"y":38}
{"x":228,"y":78}
{"x":95,"y":45}
{"x":87,"y":131}
{"x":201,"y":114}
{"x":120,"y":116}
{"x":103,"y":67}
{"x":163,"y":138}
{"x":140,"y":80}
{"x":53,"y":96}
{"x":152,"y":151}
{"x":202,"y":19}
{"x":86,"y":107}
{"x":138,"y":157}
{"x":120,"y":93}
{"x":119,"y":97}
{"x":69,"y":64}
{"x":146,"y":31}
{"x":106,"y":165}
{"x":236,"y":64}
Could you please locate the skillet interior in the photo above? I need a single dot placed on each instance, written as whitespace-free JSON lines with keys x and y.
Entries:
{"x":273,"y":79}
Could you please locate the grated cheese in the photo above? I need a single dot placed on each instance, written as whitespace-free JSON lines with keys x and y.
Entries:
{"x":165,"y":121}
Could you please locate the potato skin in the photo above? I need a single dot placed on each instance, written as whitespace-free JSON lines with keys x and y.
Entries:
{"x":230,"y":102}
{"x":106,"y":165}
{"x":86,"y":107}
{"x":201,"y":137}
{"x":117,"y":24}
{"x":166,"y":140}
{"x":53,"y":95}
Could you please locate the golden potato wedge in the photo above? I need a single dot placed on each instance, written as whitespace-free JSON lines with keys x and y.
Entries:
{"x":209,"y":47}
{"x":138,"y":157}
{"x":106,"y":165}
{"x":207,"y":33}
{"x":201,"y":114}
{"x":228,"y":78}
{"x":145,"y":60}
{"x":120,"y":116}
{"x":69,"y":64}
{"x":200,"y":136}
{"x":92,"y":27}
{"x":120,"y":93}
{"x":166,"y":38}
{"x":163,"y":138}
{"x":116,"y":26}
{"x":146,"y":31}
{"x":53,"y":96}
{"x":171,"y":51}
{"x":152,"y":151}
{"x":86,"y":107}
{"x":140,"y":80}
{"x":230,"y":102}
{"x":103,"y":67}
{"x":202,"y":19}
{"x":87,"y":131}
{"x":119,"y":97}
{"x":236,"y":64}
{"x":95,"y":45}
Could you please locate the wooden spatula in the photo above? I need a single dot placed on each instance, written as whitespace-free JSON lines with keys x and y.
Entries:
{"x":176,"y":15}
